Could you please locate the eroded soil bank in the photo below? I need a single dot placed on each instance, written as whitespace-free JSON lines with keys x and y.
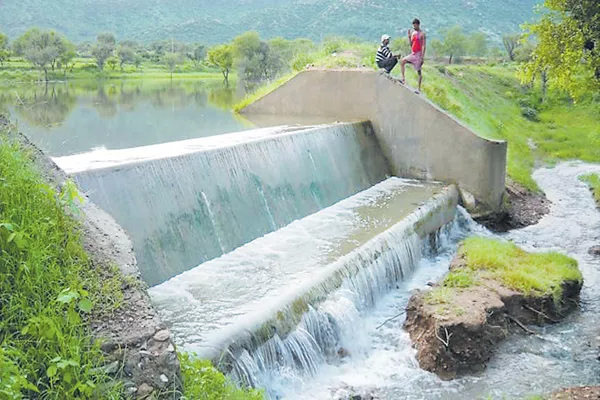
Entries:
{"x":456,"y":326}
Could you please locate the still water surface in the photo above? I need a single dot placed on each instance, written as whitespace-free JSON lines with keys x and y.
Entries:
{"x":74,"y":117}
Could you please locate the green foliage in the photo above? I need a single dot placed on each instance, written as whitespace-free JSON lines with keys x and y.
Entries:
{"x":477,"y":44}
{"x":458,"y":279}
{"x":202,"y":381}
{"x":568,"y":37}
{"x":44,"y":49}
{"x":593,"y":181}
{"x":511,"y":43}
{"x":171,"y":61}
{"x":126,"y":54}
{"x":4,"y":53}
{"x":530,"y":273}
{"x":565,"y":130}
{"x":222,"y":57}
{"x":196,"y":54}
{"x":45,"y":349}
{"x":455,"y":43}
{"x":103,"y":49}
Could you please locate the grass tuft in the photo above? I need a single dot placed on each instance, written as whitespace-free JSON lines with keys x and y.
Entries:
{"x":534,"y":274}
{"x":593,"y":181}
{"x":202,"y":381}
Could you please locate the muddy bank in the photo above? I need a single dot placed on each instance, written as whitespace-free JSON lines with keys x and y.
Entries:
{"x":456,"y":330}
{"x":522,"y":208}
{"x":580,"y":393}
{"x":138,"y":348}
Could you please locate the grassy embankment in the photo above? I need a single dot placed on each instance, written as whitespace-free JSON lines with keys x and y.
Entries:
{"x":49,"y":288}
{"x":19,"y":70}
{"x":533,"y":274}
{"x":593,"y":181}
{"x":492,"y":102}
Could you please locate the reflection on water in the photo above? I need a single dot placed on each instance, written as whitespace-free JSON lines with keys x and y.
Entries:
{"x":73,"y":117}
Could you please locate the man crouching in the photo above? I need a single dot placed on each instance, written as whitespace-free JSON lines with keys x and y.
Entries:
{"x":384,"y":58}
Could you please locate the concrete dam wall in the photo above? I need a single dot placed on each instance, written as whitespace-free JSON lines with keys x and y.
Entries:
{"x":186,"y":209}
{"x":419,"y":139}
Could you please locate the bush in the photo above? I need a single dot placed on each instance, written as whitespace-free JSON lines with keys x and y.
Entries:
{"x":203,"y":381}
{"x":530,"y":113}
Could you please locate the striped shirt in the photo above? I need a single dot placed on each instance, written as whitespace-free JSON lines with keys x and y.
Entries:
{"x":383,"y":53}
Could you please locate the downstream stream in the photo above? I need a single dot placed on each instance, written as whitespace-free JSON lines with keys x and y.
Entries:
{"x":382,"y":363}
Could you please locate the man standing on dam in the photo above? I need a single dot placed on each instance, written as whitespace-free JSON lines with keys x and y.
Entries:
{"x":418,"y":44}
{"x":384,"y":57}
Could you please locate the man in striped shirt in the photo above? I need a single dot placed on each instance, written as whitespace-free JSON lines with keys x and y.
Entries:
{"x":384,"y":58}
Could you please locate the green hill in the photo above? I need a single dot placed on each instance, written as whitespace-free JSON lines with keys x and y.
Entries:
{"x":218,"y":21}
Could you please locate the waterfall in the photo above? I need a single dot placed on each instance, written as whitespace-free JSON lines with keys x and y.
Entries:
{"x":184,"y":210}
{"x":327,"y":331}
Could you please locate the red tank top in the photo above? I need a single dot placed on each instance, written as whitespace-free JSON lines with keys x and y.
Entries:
{"x":416,"y":42}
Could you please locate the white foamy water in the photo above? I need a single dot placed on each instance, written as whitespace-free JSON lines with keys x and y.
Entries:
{"x":382,"y":361}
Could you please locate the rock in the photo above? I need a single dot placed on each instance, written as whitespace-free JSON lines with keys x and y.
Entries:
{"x":144,"y":390}
{"x":164,"y":378}
{"x":594,"y":250}
{"x":112,"y":368}
{"x":162,"y":336}
{"x":342,"y":352}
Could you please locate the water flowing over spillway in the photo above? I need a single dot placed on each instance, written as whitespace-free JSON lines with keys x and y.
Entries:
{"x":370,"y":240}
{"x":186,"y":203}
{"x":382,"y":361}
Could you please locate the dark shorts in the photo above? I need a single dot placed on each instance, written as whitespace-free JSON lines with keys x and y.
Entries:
{"x":388,"y":64}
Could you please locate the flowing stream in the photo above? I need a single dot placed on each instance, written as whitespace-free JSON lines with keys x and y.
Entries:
{"x":382,"y":363}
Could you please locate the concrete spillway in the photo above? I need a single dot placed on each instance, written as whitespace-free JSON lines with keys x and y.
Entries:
{"x":185,"y":203}
{"x":262,"y":293}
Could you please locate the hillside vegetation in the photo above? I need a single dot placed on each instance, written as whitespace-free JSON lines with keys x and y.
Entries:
{"x":492,"y":101}
{"x":216,"y":22}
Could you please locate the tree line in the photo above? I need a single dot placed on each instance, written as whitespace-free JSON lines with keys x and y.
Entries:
{"x":255,"y":59}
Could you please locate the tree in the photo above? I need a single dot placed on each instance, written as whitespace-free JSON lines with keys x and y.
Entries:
{"x":222,"y":58}
{"x":172,"y":60}
{"x":4,"y":53}
{"x":254,"y":59}
{"x":125,"y":54}
{"x":196,"y":54}
{"x":455,"y":43}
{"x":478,"y":44}
{"x":65,"y":60}
{"x":104,"y":48}
{"x":112,"y":62}
{"x":568,"y":49}
{"x":42,"y":49}
{"x":511,"y":42}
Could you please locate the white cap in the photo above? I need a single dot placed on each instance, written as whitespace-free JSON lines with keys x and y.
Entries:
{"x":385,"y":37}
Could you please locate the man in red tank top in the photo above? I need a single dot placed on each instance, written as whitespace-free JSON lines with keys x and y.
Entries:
{"x":418,"y":43}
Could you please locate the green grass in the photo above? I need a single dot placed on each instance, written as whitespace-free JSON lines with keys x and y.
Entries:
{"x":593,"y":181}
{"x":19,"y":70}
{"x":261,"y":92}
{"x":535,"y":274}
{"x":491,"y":101}
{"x":48,"y":287}
{"x":202,"y":381}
